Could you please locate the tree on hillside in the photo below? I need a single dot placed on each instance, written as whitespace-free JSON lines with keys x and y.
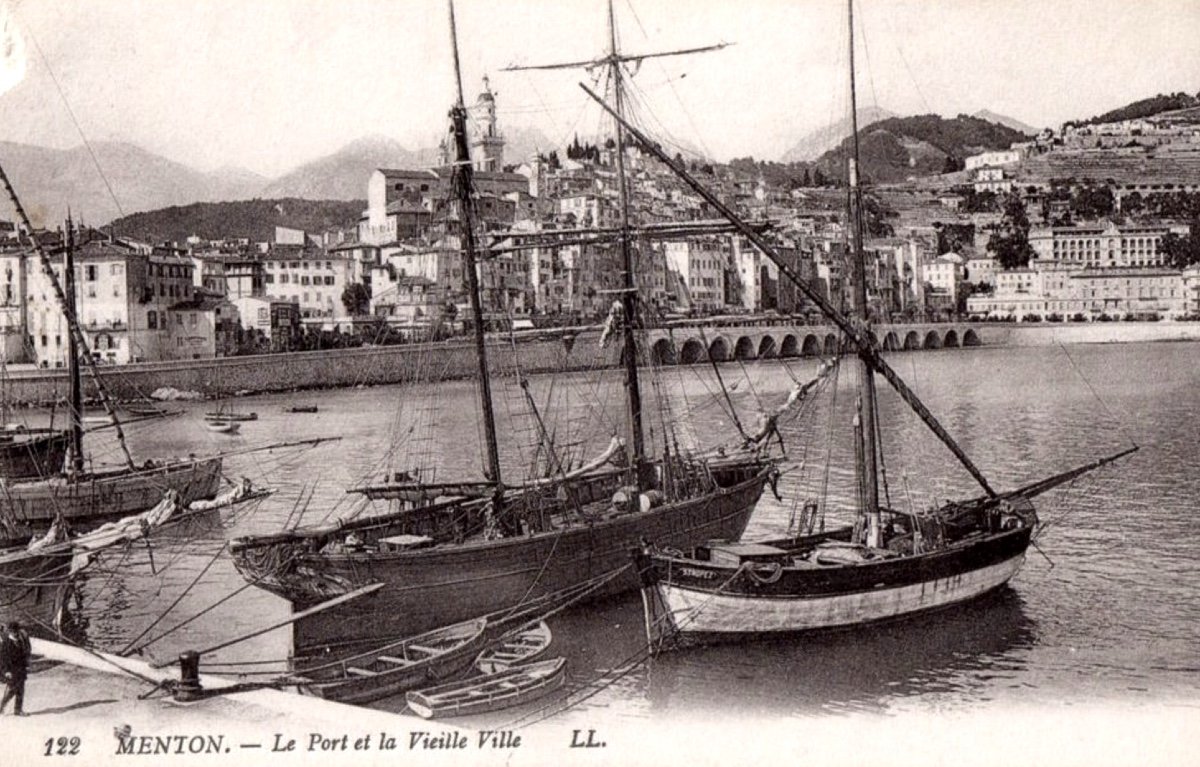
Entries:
{"x":1092,"y":201}
{"x":1010,"y":243}
{"x":357,"y":299}
{"x":1182,"y":251}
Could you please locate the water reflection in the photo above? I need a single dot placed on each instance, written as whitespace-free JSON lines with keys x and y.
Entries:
{"x":959,"y":651}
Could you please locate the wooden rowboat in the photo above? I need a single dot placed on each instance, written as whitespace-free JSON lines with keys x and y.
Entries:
{"x":398,"y":666}
{"x":521,"y":647}
{"x":518,"y":685}
{"x":303,"y":409}
{"x":222,"y":427}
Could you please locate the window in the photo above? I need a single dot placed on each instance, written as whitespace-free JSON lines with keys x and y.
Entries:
{"x":116,"y":269}
{"x":179,"y":320}
{"x":329,"y":280}
{"x":152,"y":319}
{"x":89,"y":272}
{"x":192,"y":319}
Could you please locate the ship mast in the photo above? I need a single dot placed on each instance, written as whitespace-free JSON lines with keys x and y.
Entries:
{"x":629,"y":293}
{"x":72,"y":320}
{"x":629,"y":297}
{"x":852,"y":329}
{"x":867,"y":465}
{"x":76,"y":405}
{"x":463,"y":182}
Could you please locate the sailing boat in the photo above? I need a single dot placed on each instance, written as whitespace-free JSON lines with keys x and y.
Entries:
{"x":26,"y":452}
{"x":890,"y":564}
{"x":77,"y":494}
{"x":456,"y":550}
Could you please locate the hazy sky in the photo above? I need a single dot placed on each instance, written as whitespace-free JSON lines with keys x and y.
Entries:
{"x":268,"y":84}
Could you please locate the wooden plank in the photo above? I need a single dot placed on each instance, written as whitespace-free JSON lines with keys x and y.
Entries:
{"x":361,"y":671}
{"x":396,"y":661}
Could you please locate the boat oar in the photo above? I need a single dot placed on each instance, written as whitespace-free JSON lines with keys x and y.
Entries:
{"x":278,"y":624}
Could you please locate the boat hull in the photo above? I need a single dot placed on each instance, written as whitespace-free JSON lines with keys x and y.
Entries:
{"x":33,"y":589}
{"x":109,"y":495}
{"x":444,"y":584}
{"x":687,"y":601}
{"x":33,"y":456}
{"x":514,"y":687}
{"x":452,"y":662}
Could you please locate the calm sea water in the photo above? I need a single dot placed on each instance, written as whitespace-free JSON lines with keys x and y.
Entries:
{"x":1109,"y":613}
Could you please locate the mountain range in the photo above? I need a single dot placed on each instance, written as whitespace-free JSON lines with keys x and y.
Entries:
{"x":52,"y":180}
{"x":817,"y":143}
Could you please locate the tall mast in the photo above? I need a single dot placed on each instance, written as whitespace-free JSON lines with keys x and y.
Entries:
{"x":852,"y":330}
{"x":629,"y":297}
{"x":69,"y":313}
{"x":463,"y":182}
{"x":629,"y":300}
{"x":76,"y":406}
{"x":867,"y":467}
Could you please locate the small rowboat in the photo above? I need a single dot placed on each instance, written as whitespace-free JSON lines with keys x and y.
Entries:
{"x":147,"y":410}
{"x":222,"y":427}
{"x":518,"y":685}
{"x":230,"y":416}
{"x":521,"y":647}
{"x":302,"y":409}
{"x":397,"y":667}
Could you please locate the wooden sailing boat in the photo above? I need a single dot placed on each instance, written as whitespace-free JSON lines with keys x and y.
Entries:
{"x":891,"y":564}
{"x":80,"y":495}
{"x":460,"y":549}
{"x":26,"y":453}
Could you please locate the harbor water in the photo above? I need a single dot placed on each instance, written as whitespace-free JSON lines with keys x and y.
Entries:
{"x":1103,"y":612}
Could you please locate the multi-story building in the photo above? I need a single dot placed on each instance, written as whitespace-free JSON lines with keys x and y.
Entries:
{"x":132,"y":307}
{"x":314,"y":279}
{"x":1102,"y":245}
{"x":993,"y":159}
{"x":699,"y":265}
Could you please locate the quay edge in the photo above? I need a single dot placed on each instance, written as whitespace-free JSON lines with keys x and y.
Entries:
{"x":535,"y":353}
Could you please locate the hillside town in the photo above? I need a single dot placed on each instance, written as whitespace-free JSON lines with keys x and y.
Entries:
{"x":1094,"y":222}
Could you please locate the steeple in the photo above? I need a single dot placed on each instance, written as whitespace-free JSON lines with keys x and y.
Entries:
{"x":487,"y":144}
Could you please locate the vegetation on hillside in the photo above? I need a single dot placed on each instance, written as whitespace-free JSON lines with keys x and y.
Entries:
{"x":1183,"y":251}
{"x":254,"y":219}
{"x":1144,"y":108}
{"x":922,"y":145}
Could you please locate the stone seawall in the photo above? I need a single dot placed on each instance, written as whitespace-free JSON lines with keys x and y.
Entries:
{"x":454,"y":360}
{"x":320,"y":369}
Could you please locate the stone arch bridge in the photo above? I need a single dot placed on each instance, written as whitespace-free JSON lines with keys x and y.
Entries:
{"x":690,"y":344}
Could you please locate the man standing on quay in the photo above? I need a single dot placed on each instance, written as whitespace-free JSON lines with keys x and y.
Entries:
{"x":14,"y":664}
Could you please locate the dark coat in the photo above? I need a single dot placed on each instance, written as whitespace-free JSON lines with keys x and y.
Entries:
{"x":14,"y":654}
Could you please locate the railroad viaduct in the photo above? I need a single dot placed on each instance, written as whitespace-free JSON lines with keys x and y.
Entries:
{"x":686,"y":345}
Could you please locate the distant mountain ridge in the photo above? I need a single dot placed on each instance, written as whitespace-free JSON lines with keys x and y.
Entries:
{"x":50,"y":181}
{"x":1006,"y":121}
{"x":1149,"y":107}
{"x":343,"y":175}
{"x":819,"y":142}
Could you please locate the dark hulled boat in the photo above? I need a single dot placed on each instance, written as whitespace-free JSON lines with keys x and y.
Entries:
{"x":889,"y":564}
{"x":78,"y":495}
{"x":460,"y":549}
{"x":28,"y":455}
{"x":435,"y":582}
